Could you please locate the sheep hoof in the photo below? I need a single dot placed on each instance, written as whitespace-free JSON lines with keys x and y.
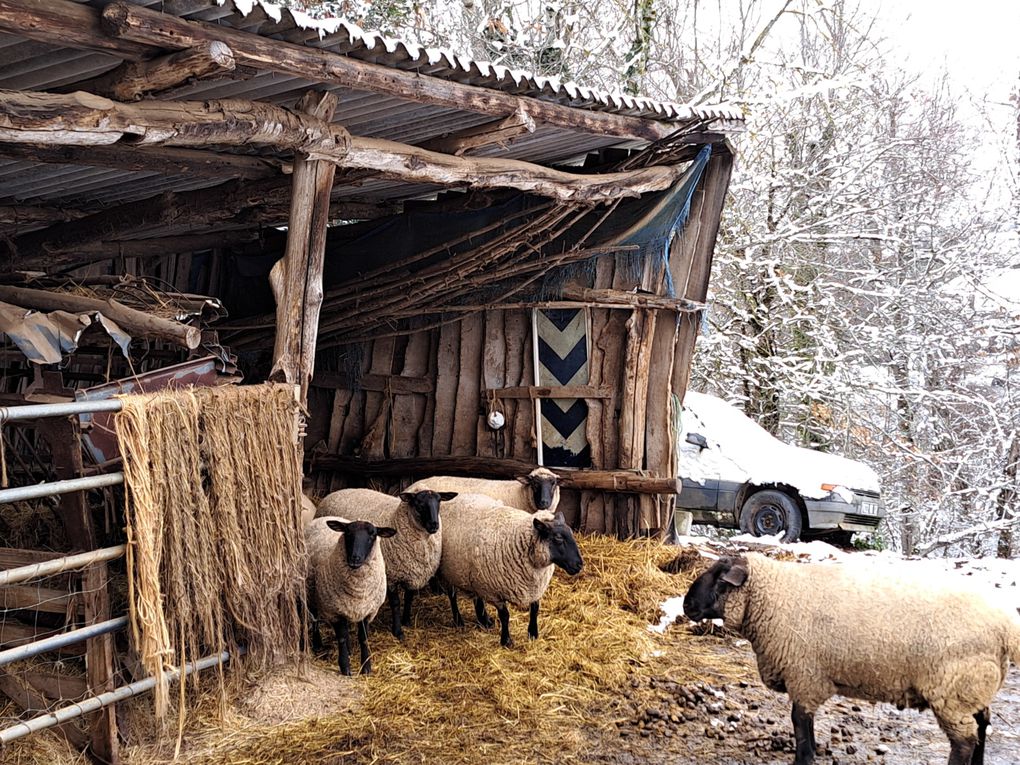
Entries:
{"x":367,"y":669}
{"x":508,"y":643}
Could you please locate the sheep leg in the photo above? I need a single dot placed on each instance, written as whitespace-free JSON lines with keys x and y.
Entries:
{"x":484,"y":620}
{"x":408,"y":599}
{"x":533,"y":621}
{"x":340,"y":629}
{"x":366,"y":655}
{"x":961,"y":751}
{"x":451,"y":592}
{"x":984,"y":719}
{"x":504,"y":626}
{"x":804,"y":735}
{"x":394,"y":597}
{"x":316,"y":636}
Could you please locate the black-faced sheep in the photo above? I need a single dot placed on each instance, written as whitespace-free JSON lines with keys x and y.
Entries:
{"x":819,"y":630}
{"x":412,"y":556}
{"x":503,"y":555}
{"x":538,"y":490}
{"x":346,"y":581}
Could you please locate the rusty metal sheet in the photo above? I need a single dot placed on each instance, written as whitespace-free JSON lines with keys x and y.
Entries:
{"x":100,"y":438}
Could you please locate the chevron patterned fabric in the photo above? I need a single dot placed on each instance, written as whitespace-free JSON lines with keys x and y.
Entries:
{"x":563,"y":360}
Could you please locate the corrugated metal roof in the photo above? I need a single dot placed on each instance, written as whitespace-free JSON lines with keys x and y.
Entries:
{"x":32,"y":65}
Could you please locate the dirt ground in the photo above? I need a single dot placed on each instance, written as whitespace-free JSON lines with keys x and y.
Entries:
{"x":743,"y":723}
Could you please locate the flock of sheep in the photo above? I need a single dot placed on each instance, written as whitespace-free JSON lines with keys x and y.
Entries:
{"x":817,"y":630}
{"x":496,"y":540}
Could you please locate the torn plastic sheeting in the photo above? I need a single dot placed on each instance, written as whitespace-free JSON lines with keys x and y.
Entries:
{"x":47,"y":337}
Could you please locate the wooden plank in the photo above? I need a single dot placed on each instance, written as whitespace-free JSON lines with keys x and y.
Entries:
{"x":500,"y":132}
{"x":466,"y":407}
{"x":128,"y":22}
{"x":448,"y":375}
{"x":520,"y":416}
{"x":402,"y":383}
{"x":13,"y":557}
{"x":99,"y":662}
{"x":30,"y":700}
{"x":551,"y":391}
{"x":37,"y":598}
{"x":409,"y":406}
{"x":493,"y":373}
{"x":622,"y":481}
{"x":428,"y":419}
{"x":716,"y":182}
{"x":14,"y":633}
{"x":55,"y":686}
{"x":378,"y":406}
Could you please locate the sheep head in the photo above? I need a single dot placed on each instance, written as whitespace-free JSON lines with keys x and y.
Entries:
{"x":544,"y":486}
{"x":424,"y":506}
{"x":359,"y":539}
{"x":706,"y":599}
{"x":563,"y":550}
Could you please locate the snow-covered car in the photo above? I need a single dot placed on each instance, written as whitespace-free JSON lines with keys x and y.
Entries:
{"x":738,"y":475}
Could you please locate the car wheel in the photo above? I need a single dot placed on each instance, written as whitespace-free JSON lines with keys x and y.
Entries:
{"x":770,"y":512}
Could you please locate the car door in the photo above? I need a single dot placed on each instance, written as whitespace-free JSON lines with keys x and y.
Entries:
{"x":697,"y":470}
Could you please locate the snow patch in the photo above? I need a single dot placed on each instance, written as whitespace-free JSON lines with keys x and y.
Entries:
{"x":671,"y":609}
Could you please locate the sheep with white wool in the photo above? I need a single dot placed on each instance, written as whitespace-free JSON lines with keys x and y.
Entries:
{"x":412,"y":556}
{"x":537,"y":490}
{"x":878,"y":634}
{"x":503,"y":555}
{"x":346,"y":581}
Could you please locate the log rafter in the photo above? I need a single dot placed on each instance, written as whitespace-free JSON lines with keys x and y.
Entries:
{"x":84,"y":119}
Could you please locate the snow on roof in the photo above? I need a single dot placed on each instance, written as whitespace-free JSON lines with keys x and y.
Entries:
{"x":448,"y":64}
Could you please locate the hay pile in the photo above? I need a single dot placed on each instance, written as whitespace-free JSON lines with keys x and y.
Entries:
{"x":455,"y":696}
{"x":216,"y":552}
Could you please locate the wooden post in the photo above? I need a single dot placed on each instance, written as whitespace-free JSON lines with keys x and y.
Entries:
{"x":296,"y":279}
{"x":693,"y":268}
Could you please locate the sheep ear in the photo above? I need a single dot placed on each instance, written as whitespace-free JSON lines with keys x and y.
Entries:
{"x":525,"y":479}
{"x":446,"y":496}
{"x":558,"y":517}
{"x":337,"y":526}
{"x":736,"y":576}
{"x":542,"y":527}
{"x":406,"y":496}
{"x":385,"y":531}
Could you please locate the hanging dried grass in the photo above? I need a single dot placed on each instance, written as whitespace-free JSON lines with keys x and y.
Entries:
{"x":215,"y":553}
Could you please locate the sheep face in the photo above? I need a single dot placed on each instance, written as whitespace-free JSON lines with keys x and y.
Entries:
{"x":706,"y":599}
{"x":543,"y":486}
{"x":359,"y":539}
{"x":563,"y":550}
{"x":425,"y":506}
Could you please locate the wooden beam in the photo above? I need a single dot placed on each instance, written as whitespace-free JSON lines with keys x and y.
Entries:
{"x":99,"y":659}
{"x":137,"y":323}
{"x":64,"y":23}
{"x":144,"y":26}
{"x":163,"y":245}
{"x":630,"y":481}
{"x":152,"y":159}
{"x":373,"y":382}
{"x":539,"y":391}
{"x":17,"y":215}
{"x":610,"y":298}
{"x":84,"y":119}
{"x":13,"y":633}
{"x":35,"y":598}
{"x":133,"y":79}
{"x":296,"y":279}
{"x":499,"y":132}
{"x":30,"y":700}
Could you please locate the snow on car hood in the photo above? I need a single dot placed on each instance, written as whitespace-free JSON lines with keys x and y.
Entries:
{"x":741,"y":450}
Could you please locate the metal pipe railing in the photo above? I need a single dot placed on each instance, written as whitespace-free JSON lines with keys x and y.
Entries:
{"x":53,"y":488}
{"x":95,"y":703}
{"x":35,"y":411}
{"x":63,"y":639}
{"x":59,"y":565}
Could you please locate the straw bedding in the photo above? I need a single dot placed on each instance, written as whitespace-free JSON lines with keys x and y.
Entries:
{"x":455,"y":696}
{"x":216,"y":553}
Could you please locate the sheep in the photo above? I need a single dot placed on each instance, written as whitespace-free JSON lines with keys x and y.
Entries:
{"x":818,"y":630}
{"x":412,"y":557}
{"x":346,"y":581}
{"x":503,"y":555}
{"x":538,"y":490}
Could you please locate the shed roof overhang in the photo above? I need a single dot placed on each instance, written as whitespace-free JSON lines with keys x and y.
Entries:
{"x":202,"y":159}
